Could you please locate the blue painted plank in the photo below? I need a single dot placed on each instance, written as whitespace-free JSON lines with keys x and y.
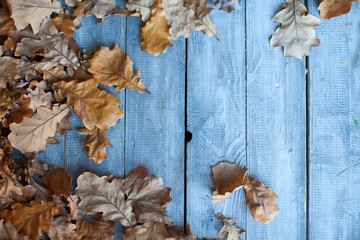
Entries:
{"x":334,"y":135}
{"x":276,"y":125}
{"x":216,"y":119}
{"x":155,"y":126}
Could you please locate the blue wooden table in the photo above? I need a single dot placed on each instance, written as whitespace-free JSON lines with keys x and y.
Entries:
{"x":293,"y":123}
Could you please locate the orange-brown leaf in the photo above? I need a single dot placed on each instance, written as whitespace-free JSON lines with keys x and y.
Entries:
{"x":6,"y":23}
{"x":147,"y":231}
{"x":8,"y":70}
{"x":58,"y":181}
{"x":17,"y":114}
{"x":334,"y":8}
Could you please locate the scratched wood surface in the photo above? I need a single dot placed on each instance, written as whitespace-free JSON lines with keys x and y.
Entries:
{"x":245,"y":103}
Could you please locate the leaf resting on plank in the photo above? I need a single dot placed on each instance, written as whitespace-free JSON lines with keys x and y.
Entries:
{"x":227,"y":178}
{"x":32,"y":133}
{"x":335,"y":8}
{"x":261,"y":200}
{"x":225,"y":5}
{"x":95,"y":107}
{"x":86,"y":8}
{"x":141,"y":6}
{"x":202,"y":21}
{"x":155,"y":34}
{"x":147,"y":231}
{"x":229,"y":230}
{"x":97,"y":142}
{"x":296,"y":33}
{"x":114,"y":68}
{"x":99,"y":195}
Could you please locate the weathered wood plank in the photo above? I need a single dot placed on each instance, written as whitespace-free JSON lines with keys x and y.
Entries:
{"x":276,"y":125}
{"x":155,"y":122}
{"x":216,"y":119}
{"x":334,"y":134}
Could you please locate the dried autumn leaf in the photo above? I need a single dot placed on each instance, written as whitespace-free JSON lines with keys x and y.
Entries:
{"x":64,"y":125}
{"x":202,"y":21}
{"x":8,"y":186}
{"x":31,"y":135}
{"x":8,"y":70}
{"x":335,"y":8}
{"x":147,"y":231}
{"x":155,"y":34}
{"x":60,"y":52}
{"x":85,"y":8}
{"x":30,"y":219}
{"x":141,"y":6}
{"x":97,"y":142}
{"x":39,"y":98}
{"x":227,"y":179}
{"x":261,"y":200}
{"x":37,"y":46}
{"x":229,"y":230}
{"x":179,"y":233}
{"x":61,"y":228}
{"x":9,"y":232}
{"x":6,"y":23}
{"x":114,"y":68}
{"x":225,"y":5}
{"x":29,"y":69}
{"x":17,"y":114}
{"x":91,"y":226}
{"x":296,"y":33}
{"x":95,"y":107}
{"x":58,"y":181}
{"x":148,"y":195}
{"x":33,"y":12}
{"x":99,"y":195}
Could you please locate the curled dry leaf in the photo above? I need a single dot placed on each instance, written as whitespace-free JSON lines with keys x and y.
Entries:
{"x":261,"y":200}
{"x":114,"y":68}
{"x":141,"y":6}
{"x":148,"y":196}
{"x":31,"y":135}
{"x":147,"y":231}
{"x":335,"y":8}
{"x":296,"y":33}
{"x":227,"y":178}
{"x":58,"y":181}
{"x":95,"y":107}
{"x":30,"y":219}
{"x":85,"y":8}
{"x":155,"y":34}
{"x":97,"y":142}
{"x":99,"y":195}
{"x":229,"y":230}
{"x":39,"y":98}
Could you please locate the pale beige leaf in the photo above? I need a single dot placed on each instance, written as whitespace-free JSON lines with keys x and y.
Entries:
{"x":8,"y":186}
{"x":9,"y":232}
{"x":229,"y":230}
{"x":261,"y":200}
{"x":39,"y":98}
{"x":85,"y":8}
{"x":60,"y":52}
{"x":148,"y":195}
{"x":28,"y":69}
{"x":8,"y":70}
{"x":155,"y":34}
{"x":141,"y":6}
{"x":335,"y":8}
{"x":32,"y":133}
{"x":37,"y":46}
{"x":296,"y":33}
{"x":61,"y":228}
{"x":99,"y":195}
{"x":115,"y":68}
{"x":202,"y":19}
{"x":227,"y":178}
{"x":147,"y":231}
{"x":33,"y":12}
{"x":225,"y":5}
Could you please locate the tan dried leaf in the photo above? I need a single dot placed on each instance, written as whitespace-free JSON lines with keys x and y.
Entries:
{"x":64,"y":125}
{"x":141,"y":6}
{"x":33,"y":12}
{"x":59,"y":52}
{"x":261,"y":200}
{"x":17,"y":114}
{"x":95,"y":107}
{"x":335,"y":8}
{"x":148,"y":195}
{"x":97,"y":142}
{"x":37,"y":46}
{"x":61,"y":228}
{"x":31,"y":135}
{"x":39,"y":98}
{"x":296,"y":33}
{"x":225,"y":5}
{"x":202,"y":21}
{"x":58,"y":181}
{"x":147,"y":231}
{"x":8,"y":70}
{"x":9,"y":232}
{"x":6,"y":23}
{"x":99,"y":195}
{"x":8,"y":186}
{"x":229,"y":230}
{"x":115,"y":68}
{"x":29,"y":219}
{"x":179,"y":233}
{"x":227,"y":178}
{"x":155,"y":34}
{"x":86,"y":8}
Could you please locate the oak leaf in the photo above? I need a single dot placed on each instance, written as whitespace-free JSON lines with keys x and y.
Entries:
{"x":179,"y":233}
{"x":8,"y":186}
{"x":29,"y":219}
{"x":202,"y":12}
{"x":296,"y":33}
{"x":32,"y":133}
{"x":6,"y":23}
{"x":39,"y":98}
{"x":95,"y":107}
{"x":64,"y":125}
{"x":229,"y":230}
{"x":58,"y":181}
{"x":60,"y":52}
{"x":141,"y":6}
{"x":335,"y":8}
{"x":155,"y":34}
{"x":37,"y":46}
{"x":8,"y":70}
{"x":227,"y":179}
{"x":225,"y":5}
{"x":261,"y":200}
{"x":147,"y":231}
{"x":97,"y":142}
{"x":60,"y":228}
{"x":9,"y":232}
{"x":86,"y":8}
{"x":21,"y":110}
{"x":99,"y":195}
{"x":148,"y":195}
{"x":33,"y":12}
{"x":114,"y":68}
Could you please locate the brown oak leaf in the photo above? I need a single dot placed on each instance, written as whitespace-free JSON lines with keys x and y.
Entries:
{"x":147,"y":231}
{"x":261,"y":200}
{"x":6,"y":23}
{"x":115,"y":68}
{"x":225,"y":5}
{"x":99,"y":195}
{"x":64,"y":125}
{"x":85,"y":8}
{"x":202,"y":12}
{"x":58,"y":181}
{"x":227,"y":178}
{"x":179,"y":233}
{"x":39,"y":98}
{"x":17,"y":114}
{"x":8,"y":70}
{"x":61,"y":228}
{"x":335,"y":8}
{"x":229,"y":230}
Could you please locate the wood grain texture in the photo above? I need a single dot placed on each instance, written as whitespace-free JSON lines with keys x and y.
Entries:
{"x":334,"y":135}
{"x":216,"y":119}
{"x":155,"y":122}
{"x":276,"y":125}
